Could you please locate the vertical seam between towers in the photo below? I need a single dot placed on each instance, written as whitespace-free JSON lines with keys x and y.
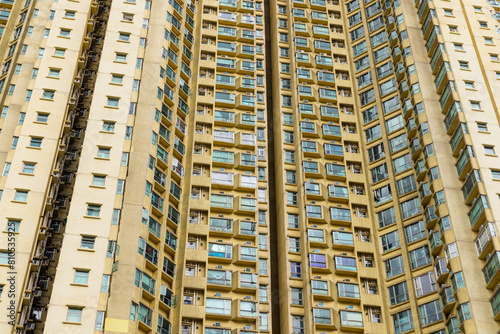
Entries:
{"x":273,"y":229}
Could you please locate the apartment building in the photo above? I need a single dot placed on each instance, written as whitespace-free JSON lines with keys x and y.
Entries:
{"x":244,"y":167}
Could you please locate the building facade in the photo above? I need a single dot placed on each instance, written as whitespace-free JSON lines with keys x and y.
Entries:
{"x":243,"y":167}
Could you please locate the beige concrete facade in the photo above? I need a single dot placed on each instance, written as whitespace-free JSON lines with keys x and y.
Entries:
{"x":217,"y":167}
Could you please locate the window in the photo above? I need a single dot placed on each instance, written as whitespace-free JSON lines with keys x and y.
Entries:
{"x":347,"y":290}
{"x":103,"y":152}
{"x":59,"y":52}
{"x":410,"y":208}
{"x":390,"y":241}
{"x":394,"y":266}
{"x":322,"y":315}
{"x":98,"y":180}
{"x":99,"y":321}
{"x":386,"y":217}
{"x":6,"y":169}
{"x":294,"y":245}
{"x":293,"y":220}
{"x":113,"y":102}
{"x":489,"y":149}
{"x":218,"y":306}
{"x":469,"y":84}
{"x":488,"y":41}
{"x":48,"y":94}
{"x":448,"y":12}
{"x":402,"y":321}
{"x":415,"y":231}
{"x":420,"y":257}
{"x":263,"y":321}
{"x":483,"y":24}
{"x":42,"y":117}
{"x":483,"y":127}
{"x":87,"y":242}
{"x":457,"y":281}
{"x":398,"y":293}
{"x":121,"y":57}
{"x":21,"y":196}
{"x":495,"y":174}
{"x":477,"y":9}
{"x":13,"y":225}
{"x":298,"y":324}
{"x":493,"y":57}
{"x":93,"y":210}
{"x":425,"y":284}
{"x":263,"y":293}
{"x":74,"y":314}
{"x":117,"y":78}
{"x":36,"y":142}
{"x":64,"y":33}
{"x":453,"y":29}
{"x":297,"y":296}
{"x":464,"y":312}
{"x":29,"y":167}
{"x":296,"y":271}
{"x":464,"y":65}
{"x":430,"y":312}
{"x":81,"y":277}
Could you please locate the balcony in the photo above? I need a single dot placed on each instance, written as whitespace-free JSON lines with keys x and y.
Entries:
{"x":342,"y":240}
{"x":323,"y":318}
{"x":314,"y":191}
{"x":327,"y":95}
{"x":457,"y":141}
{"x":224,"y":138}
{"x":222,"y":180}
{"x":221,"y":226}
{"x":464,"y":163}
{"x":245,"y":84}
{"x":157,"y":203}
{"x":348,"y":292}
{"x":245,"y":255}
{"x":420,"y":172}
{"x":425,"y":193}
{"x":244,"y":229}
{"x":351,"y":321}
{"x":491,"y":270}
{"x":477,"y":214}
{"x":441,"y":269}
{"x":435,"y":242}
{"x":246,"y":205}
{"x":335,"y":172}
{"x":245,"y":161}
{"x":430,"y":217}
{"x":411,"y":127}
{"x":338,"y":194}
{"x":345,"y":265}
{"x":329,"y":113}
{"x":447,"y":299}
{"x":160,"y":179}
{"x":220,"y":252}
{"x":221,"y":203}
{"x":495,"y":304}
{"x":245,"y":51}
{"x":470,"y":189}
{"x":332,"y":132}
{"x":415,"y":148}
{"x":340,"y":216}
{"x":453,"y":118}
{"x":484,"y":240}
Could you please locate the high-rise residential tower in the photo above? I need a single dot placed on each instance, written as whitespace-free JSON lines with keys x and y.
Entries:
{"x":244,"y":167}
